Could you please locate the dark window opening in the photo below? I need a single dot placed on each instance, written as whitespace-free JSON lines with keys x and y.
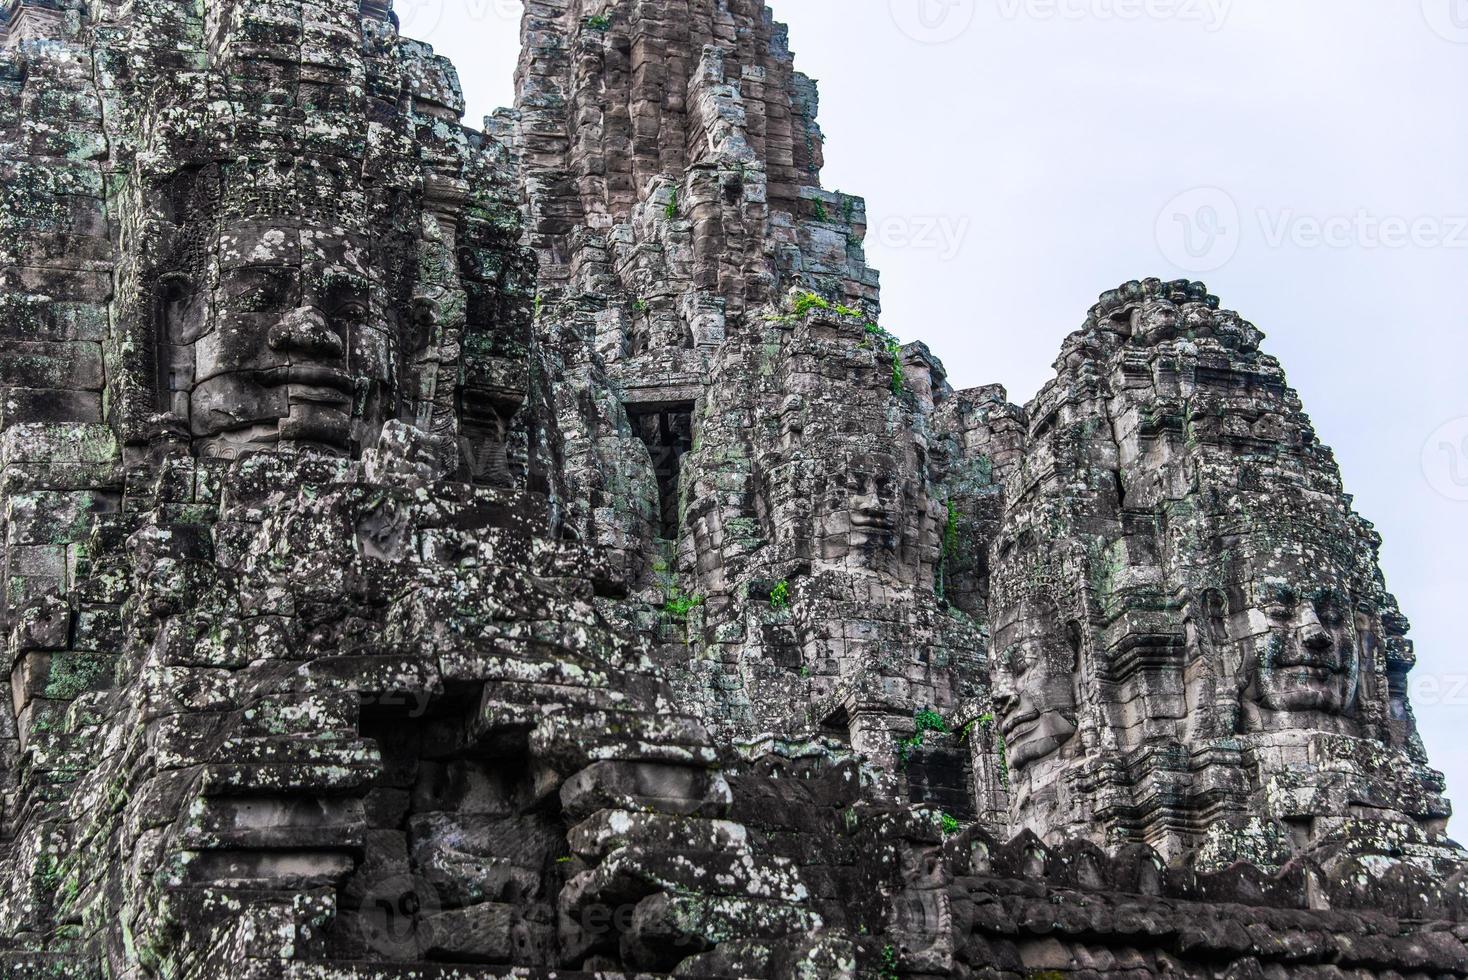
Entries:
{"x":943,"y":777}
{"x":485,"y":437}
{"x":667,"y":431}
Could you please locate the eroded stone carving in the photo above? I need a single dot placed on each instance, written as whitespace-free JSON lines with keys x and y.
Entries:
{"x":385,"y":600}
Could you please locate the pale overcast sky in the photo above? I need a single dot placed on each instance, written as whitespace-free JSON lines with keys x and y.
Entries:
{"x":1307,"y":159}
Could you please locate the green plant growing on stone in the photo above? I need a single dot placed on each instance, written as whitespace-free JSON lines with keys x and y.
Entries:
{"x":984,"y":721}
{"x":639,"y":306}
{"x":926,"y":721}
{"x":950,"y":549}
{"x":599,"y":22}
{"x":780,"y":597}
{"x":948,"y":824}
{"x":806,"y":302}
{"x":819,"y":210}
{"x":73,"y":674}
{"x":680,"y":605}
{"x":49,"y":872}
{"x":887,"y":969}
{"x":670,"y":211}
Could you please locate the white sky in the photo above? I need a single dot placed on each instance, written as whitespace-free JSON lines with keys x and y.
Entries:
{"x":1304,"y":158}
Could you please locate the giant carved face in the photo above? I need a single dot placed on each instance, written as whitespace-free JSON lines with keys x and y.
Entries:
{"x":1036,"y":675}
{"x":1307,"y":655}
{"x":295,"y":349}
{"x":874,"y":516}
{"x":1156,"y":321}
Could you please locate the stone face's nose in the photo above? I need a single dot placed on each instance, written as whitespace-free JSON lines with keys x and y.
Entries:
{"x":305,"y":331}
{"x":1314,"y":637}
{"x":1006,"y":700}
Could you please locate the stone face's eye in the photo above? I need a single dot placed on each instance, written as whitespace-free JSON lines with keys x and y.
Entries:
{"x":1329,"y":612}
{"x":351,"y":312}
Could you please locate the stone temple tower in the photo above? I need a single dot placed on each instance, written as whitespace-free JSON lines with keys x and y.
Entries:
{"x":442,"y":553}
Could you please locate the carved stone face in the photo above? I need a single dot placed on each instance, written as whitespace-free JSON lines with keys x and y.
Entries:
{"x":1308,"y":656}
{"x":1036,"y":677}
{"x":1156,"y":321}
{"x":872,"y":516}
{"x":294,"y":349}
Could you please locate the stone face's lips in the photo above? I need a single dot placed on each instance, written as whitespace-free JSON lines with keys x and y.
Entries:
{"x":1011,"y":727}
{"x":305,"y":375}
{"x":872,"y":520}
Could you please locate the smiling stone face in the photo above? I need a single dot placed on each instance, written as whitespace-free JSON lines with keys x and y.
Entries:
{"x":1035,"y":679}
{"x":1308,"y":657}
{"x":873,"y":516}
{"x":293,"y":352}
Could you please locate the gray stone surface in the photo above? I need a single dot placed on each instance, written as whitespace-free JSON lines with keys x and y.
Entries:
{"x":441,"y":553}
